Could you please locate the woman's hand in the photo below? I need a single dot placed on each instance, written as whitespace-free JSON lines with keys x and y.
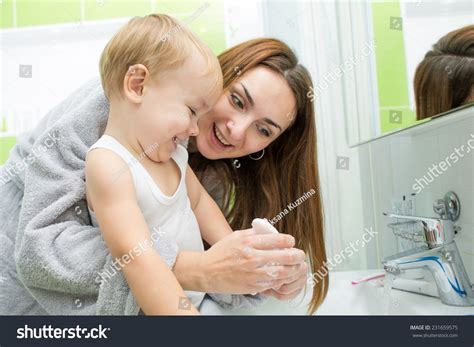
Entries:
{"x":292,"y":289}
{"x":246,"y":262}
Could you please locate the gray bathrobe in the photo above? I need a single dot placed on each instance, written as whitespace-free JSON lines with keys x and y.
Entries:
{"x":50,"y":255}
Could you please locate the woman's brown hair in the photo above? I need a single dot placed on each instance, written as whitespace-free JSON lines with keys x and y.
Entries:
{"x":287,"y":171}
{"x":445,"y":77}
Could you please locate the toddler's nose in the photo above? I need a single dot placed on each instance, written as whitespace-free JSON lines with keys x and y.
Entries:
{"x":193,"y":129}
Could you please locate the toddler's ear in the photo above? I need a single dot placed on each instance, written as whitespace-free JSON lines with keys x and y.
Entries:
{"x":134,"y":82}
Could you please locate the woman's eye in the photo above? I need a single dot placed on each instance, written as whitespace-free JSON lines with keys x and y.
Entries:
{"x":236,"y":101}
{"x":263,"y":131}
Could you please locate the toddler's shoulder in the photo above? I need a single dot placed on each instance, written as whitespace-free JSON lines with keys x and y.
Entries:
{"x":106,"y":167}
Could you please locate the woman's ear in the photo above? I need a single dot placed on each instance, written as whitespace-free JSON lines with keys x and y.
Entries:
{"x":134,"y":82}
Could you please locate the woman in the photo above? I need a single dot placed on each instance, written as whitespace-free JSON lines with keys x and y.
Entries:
{"x":283,"y":167}
{"x":256,"y":153}
{"x":445,"y":77}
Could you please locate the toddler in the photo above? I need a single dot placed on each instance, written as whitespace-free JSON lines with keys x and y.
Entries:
{"x":139,"y":186}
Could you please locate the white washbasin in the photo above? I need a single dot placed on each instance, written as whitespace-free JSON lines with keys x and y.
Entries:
{"x":346,"y":299}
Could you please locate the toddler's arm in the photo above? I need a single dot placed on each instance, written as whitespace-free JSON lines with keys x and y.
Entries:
{"x":212,"y":222}
{"x":125,"y":231}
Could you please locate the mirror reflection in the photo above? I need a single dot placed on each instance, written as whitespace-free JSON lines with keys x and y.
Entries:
{"x":422,"y":64}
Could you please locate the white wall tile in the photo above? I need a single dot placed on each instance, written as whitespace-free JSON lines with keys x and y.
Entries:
{"x":399,"y":159}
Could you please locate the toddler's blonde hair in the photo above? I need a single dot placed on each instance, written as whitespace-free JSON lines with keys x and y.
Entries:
{"x":157,"y":41}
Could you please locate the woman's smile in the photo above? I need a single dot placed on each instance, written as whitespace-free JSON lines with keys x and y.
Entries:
{"x":217,"y":140}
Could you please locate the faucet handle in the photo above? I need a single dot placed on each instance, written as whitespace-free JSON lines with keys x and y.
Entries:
{"x":437,"y":231}
{"x":415,"y":218}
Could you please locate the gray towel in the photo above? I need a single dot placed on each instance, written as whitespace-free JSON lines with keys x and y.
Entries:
{"x":58,"y":255}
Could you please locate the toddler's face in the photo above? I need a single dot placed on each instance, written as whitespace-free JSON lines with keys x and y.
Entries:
{"x":171,"y":106}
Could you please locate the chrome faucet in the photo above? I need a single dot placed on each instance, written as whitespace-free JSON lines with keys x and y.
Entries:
{"x":440,"y":255}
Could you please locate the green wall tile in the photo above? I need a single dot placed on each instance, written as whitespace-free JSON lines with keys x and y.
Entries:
{"x":106,"y":9}
{"x":205,"y":18}
{"x":6,"y":10}
{"x":396,"y":118}
{"x":6,"y":144}
{"x":30,"y":13}
{"x":209,"y":25}
{"x":391,"y":67}
{"x":390,"y":55}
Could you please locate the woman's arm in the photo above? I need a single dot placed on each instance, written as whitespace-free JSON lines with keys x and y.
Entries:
{"x":156,"y":289}
{"x":194,"y":270}
{"x":235,"y":264}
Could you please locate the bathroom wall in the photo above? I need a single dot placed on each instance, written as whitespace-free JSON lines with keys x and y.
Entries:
{"x":394,"y":163}
{"x":50,"y":48}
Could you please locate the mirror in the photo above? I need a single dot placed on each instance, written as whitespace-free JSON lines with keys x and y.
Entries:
{"x":390,"y":40}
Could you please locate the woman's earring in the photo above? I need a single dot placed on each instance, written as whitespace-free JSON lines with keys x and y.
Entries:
{"x":260,"y":157}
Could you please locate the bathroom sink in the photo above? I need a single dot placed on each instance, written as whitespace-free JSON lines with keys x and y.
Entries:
{"x":346,"y":299}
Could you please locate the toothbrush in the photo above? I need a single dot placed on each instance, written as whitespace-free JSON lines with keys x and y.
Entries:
{"x":408,"y":285}
{"x":368,"y":278}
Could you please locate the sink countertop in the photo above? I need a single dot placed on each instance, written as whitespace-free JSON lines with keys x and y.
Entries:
{"x":346,"y":299}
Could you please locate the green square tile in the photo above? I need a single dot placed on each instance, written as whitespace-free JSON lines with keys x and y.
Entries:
{"x":208,"y":23}
{"x":107,"y":9}
{"x":205,"y":18}
{"x":392,"y":83}
{"x":405,"y":118}
{"x":390,"y":55}
{"x":31,"y":13}
{"x":6,"y":10}
{"x":6,"y":144}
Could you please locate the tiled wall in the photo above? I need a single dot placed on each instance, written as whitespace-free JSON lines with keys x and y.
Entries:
{"x":27,"y":13}
{"x":398,"y":160}
{"x":394,"y":106}
{"x":67,"y":37}
{"x":404,"y":31}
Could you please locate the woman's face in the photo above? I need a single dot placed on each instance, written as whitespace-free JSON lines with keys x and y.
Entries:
{"x":251,"y":113}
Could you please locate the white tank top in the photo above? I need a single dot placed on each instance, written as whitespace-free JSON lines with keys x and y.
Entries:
{"x":169,"y":217}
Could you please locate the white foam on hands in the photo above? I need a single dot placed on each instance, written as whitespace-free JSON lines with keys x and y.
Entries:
{"x":263,"y":226}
